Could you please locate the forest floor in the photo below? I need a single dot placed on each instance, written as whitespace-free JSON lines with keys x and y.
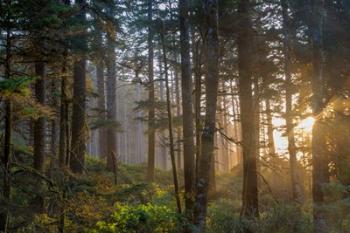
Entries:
{"x":93,"y":203}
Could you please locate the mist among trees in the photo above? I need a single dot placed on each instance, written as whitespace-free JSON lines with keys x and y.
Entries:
{"x":165,"y":116}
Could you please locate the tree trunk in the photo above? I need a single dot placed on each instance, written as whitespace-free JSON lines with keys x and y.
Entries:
{"x":6,"y":159}
{"x":111,"y":133}
{"x":6,"y":162}
{"x":296,"y":189}
{"x":211,"y":83}
{"x":39,"y":124}
{"x":250,"y":184}
{"x":270,"y":138}
{"x":224,"y":143}
{"x":170,"y":126}
{"x":101,"y":102}
{"x":77,"y":158}
{"x":187,"y":106}
{"x":320,"y":164}
{"x":163,"y":146}
{"x":198,"y":95}
{"x":151,"y":111}
{"x":54,"y":128}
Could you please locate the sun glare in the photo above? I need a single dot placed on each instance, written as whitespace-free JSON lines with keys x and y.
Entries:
{"x":307,"y":124}
{"x":281,"y":141}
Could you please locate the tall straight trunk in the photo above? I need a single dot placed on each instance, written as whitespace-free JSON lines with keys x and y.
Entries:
{"x":270,"y":138}
{"x":296,"y":189}
{"x":6,"y":159}
{"x":198,"y":95}
{"x":63,"y":147}
{"x":225,"y":145}
{"x":170,"y":124}
{"x":111,"y":133}
{"x":211,"y":83}
{"x":77,"y":158}
{"x":139,"y":124}
{"x":101,"y":102}
{"x":151,"y":111}
{"x":250,"y":181}
{"x":163,"y":147}
{"x":237,"y":123}
{"x":39,"y":124}
{"x":187,"y":106}
{"x":256,"y":107}
{"x":54,"y":128}
{"x":178,"y":114}
{"x":177,"y":96}
{"x":320,"y":174}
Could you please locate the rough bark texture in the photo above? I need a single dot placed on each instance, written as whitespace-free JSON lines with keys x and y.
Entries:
{"x":250,"y":184}
{"x":187,"y":106}
{"x":39,"y":124}
{"x":101,"y":101}
{"x":320,"y":165}
{"x":210,"y":8}
{"x":6,"y":162}
{"x":151,"y":111}
{"x":6,"y":158}
{"x":77,"y":158}
{"x":62,"y":148}
{"x":198,"y":95}
{"x":178,"y":114}
{"x":111,"y":132}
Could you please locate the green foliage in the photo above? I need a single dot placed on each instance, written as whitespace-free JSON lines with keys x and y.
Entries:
{"x":224,"y":218}
{"x":15,"y":85}
{"x":147,"y":218}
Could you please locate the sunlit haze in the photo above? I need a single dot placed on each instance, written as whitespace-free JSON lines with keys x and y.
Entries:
{"x":281,"y":141}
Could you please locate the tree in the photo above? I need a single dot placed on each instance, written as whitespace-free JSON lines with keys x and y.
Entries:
{"x":39,"y":124}
{"x":170,"y":123}
{"x":244,"y":43}
{"x":77,"y":158}
{"x":296,"y":189}
{"x":111,"y":152}
{"x":320,"y":174}
{"x":7,"y":148}
{"x":187,"y":106}
{"x":210,"y":8}
{"x":151,"y":98}
{"x":100,"y":76}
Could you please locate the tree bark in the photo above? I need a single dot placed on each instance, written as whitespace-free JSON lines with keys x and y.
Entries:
{"x":170,"y":124}
{"x":6,"y":159}
{"x":151,"y":111}
{"x":187,"y":106}
{"x":270,"y":138}
{"x":211,"y":83}
{"x":320,"y":165}
{"x":77,"y":160}
{"x":198,"y":95}
{"x":250,"y":184}
{"x":111,"y":132}
{"x":39,"y":124}
{"x":101,"y":101}
{"x":296,"y":189}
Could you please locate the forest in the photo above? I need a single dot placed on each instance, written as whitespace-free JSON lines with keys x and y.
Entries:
{"x":169,"y":116}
